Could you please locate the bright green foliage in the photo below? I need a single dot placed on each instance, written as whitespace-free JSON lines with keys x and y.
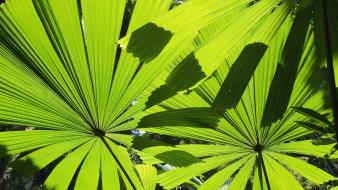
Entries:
{"x":63,"y":74}
{"x":221,"y":72}
{"x":253,"y":128}
{"x":60,"y":74}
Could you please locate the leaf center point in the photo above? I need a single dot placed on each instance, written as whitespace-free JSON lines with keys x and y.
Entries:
{"x":99,"y":132}
{"x":258,"y":148}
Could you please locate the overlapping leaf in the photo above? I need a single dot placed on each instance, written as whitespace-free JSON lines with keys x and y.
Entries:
{"x":248,"y":120}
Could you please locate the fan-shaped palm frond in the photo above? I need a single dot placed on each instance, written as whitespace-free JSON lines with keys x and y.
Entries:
{"x":244,"y":115}
{"x":62,"y":73}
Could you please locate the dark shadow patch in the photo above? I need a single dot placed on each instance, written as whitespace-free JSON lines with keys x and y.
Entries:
{"x":313,"y":127}
{"x":194,"y":117}
{"x":4,"y":160}
{"x":312,"y":115}
{"x":178,"y":158}
{"x":324,"y":141}
{"x":25,"y":167}
{"x":287,"y":69}
{"x":12,"y":179}
{"x":160,"y":94}
{"x":148,"y":41}
{"x":186,"y":74}
{"x":140,"y":143}
{"x":239,"y":77}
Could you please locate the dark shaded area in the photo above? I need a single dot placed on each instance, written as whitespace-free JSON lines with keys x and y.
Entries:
{"x":285,"y":75}
{"x":10,"y":179}
{"x":178,"y":158}
{"x":98,"y":132}
{"x":142,"y":142}
{"x":25,"y":167}
{"x":235,"y":84}
{"x":314,"y":127}
{"x":330,"y":50}
{"x":148,"y":41}
{"x":186,"y":74}
{"x":2,"y":1}
{"x":312,"y":114}
{"x":160,"y":94}
{"x":4,"y":160}
{"x":202,"y":116}
{"x":258,"y":148}
{"x":128,"y":12}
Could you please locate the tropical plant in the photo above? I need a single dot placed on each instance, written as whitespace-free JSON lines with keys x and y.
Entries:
{"x":243,"y":118}
{"x":65,"y":81}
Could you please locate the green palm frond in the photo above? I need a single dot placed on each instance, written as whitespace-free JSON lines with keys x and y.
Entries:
{"x":63,"y":74}
{"x":244,"y":114}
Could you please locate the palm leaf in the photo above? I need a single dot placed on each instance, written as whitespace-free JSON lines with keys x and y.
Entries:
{"x":63,"y":73}
{"x":247,"y":124}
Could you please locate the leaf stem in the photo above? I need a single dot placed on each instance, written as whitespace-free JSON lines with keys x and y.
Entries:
{"x":264,"y":170}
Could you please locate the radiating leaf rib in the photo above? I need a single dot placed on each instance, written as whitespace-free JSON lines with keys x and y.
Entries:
{"x":279,"y":177}
{"x":178,"y":176}
{"x":109,"y":172}
{"x":143,"y":12}
{"x":192,"y":117}
{"x":198,"y":68}
{"x":259,"y":182}
{"x":62,"y":21}
{"x":148,"y":155}
{"x":20,"y":141}
{"x":231,"y":36}
{"x":326,"y":32}
{"x":21,"y":102}
{"x":84,"y":108}
{"x":19,"y":20}
{"x":191,"y":130}
{"x":313,"y":127}
{"x":241,"y":178}
{"x":234,"y":8}
{"x":234,"y":85}
{"x":309,"y":89}
{"x":177,"y":158}
{"x":123,"y":139}
{"x":306,"y":170}
{"x":62,"y":174}
{"x":125,"y":165}
{"x":147,"y":175}
{"x":89,"y":173}
{"x":286,"y":71}
{"x":180,"y":43}
{"x":305,"y":147}
{"x":266,"y":31}
{"x":312,"y":114}
{"x":219,"y":179}
{"x":101,"y":22}
{"x":204,"y":116}
{"x":205,"y":150}
{"x":319,"y":26}
{"x":129,"y":125}
{"x":39,"y":159}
